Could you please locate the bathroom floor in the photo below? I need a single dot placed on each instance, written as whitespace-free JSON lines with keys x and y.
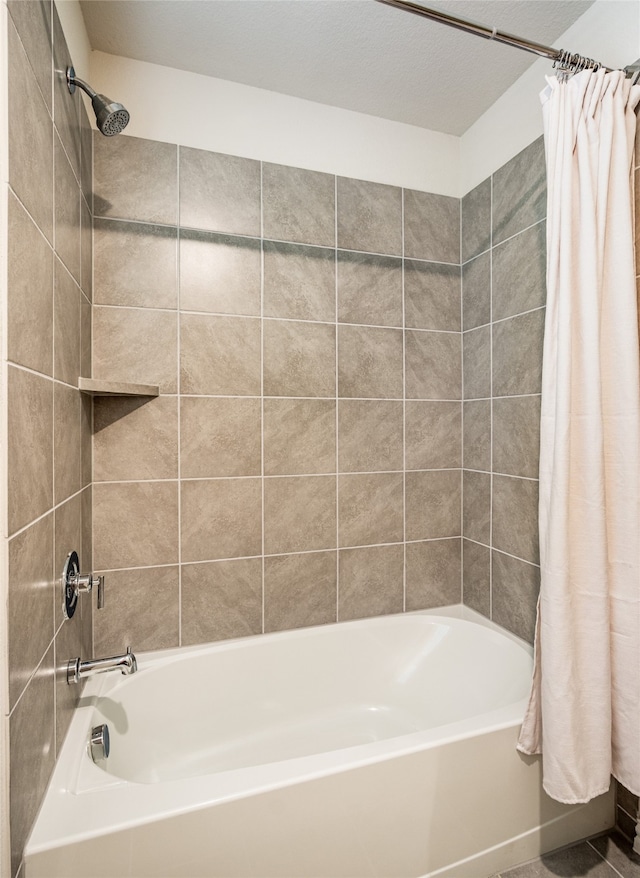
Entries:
{"x":606,"y":856}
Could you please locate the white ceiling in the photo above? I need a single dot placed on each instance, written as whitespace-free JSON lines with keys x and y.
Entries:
{"x":355,"y":54}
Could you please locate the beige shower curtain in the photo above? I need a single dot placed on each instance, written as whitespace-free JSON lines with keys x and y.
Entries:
{"x":584,"y":709}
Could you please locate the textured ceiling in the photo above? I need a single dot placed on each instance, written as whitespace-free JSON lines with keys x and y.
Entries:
{"x":355,"y":54}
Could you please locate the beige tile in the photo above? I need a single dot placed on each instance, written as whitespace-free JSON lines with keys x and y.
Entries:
{"x":433,"y":434}
{"x":68,"y":537}
{"x":30,"y":139}
{"x":85,"y":337}
{"x":30,"y":447}
{"x":219,"y":192}
{"x":369,"y":289}
{"x":433,"y":574}
{"x":33,"y":23}
{"x":86,"y":250}
{"x":370,"y":435}
{"x":68,"y":646}
{"x":299,"y":359}
{"x":299,"y":205}
{"x":135,"y":264}
{"x":86,"y":555}
{"x":231,"y":364}
{"x":369,"y":362}
{"x":220,"y":437}
{"x":299,"y":436}
{"x":86,"y":444}
{"x":135,"y":179}
{"x":433,"y":504}
{"x":299,"y":514}
{"x":135,"y":438}
{"x":86,"y":156}
{"x":141,"y":610}
{"x":66,"y":212}
{"x":29,"y":292}
{"x":370,"y":581}
{"x":369,"y":217}
{"x":476,"y":507}
{"x":66,"y":107}
{"x":32,"y":755}
{"x":67,"y":442}
{"x":476,"y":590}
{"x":31,"y":595}
{"x":221,"y":518}
{"x":219,"y":274}
{"x":431,"y":226}
{"x":515,"y":587}
{"x":432,"y":365}
{"x":135,"y":524}
{"x":138,"y":346}
{"x":67,"y":322}
{"x":370,"y":509}
{"x":299,"y":282}
{"x":515,"y":517}
{"x":432,"y":295}
{"x":221,"y":599}
{"x":299,"y":590}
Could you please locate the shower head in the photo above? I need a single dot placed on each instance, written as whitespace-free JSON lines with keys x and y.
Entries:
{"x":111,"y":117}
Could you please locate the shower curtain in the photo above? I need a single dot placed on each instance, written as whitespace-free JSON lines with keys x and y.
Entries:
{"x":584,"y":708}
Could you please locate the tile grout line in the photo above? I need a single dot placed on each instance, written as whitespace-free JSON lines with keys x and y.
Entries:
{"x":491,"y":398}
{"x":461,"y":411}
{"x":179,"y":391}
{"x":404,"y":408}
{"x":337,"y":342}
{"x":262,"y":480}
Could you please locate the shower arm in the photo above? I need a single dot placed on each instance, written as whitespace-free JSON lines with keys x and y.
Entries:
{"x":73,"y":81}
{"x":565,"y":60}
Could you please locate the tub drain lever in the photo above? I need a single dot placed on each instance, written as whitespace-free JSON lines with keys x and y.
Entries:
{"x":99,"y":742}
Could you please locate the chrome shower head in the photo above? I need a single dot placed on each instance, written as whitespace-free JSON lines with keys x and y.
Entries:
{"x":111,"y":117}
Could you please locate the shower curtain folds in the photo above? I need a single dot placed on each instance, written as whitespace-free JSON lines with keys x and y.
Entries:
{"x":584,"y":709}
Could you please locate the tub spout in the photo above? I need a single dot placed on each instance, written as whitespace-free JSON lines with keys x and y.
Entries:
{"x":77,"y":670}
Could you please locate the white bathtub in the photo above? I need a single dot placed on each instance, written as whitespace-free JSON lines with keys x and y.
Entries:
{"x":382,"y":747}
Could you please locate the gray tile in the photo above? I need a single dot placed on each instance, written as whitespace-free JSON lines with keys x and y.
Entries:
{"x":135,"y":264}
{"x":68,"y":645}
{"x":141,"y":610}
{"x":68,"y":537}
{"x":517,"y":354}
{"x":370,"y":435}
{"x":625,"y":824}
{"x":477,"y":435}
{"x":298,"y":205}
{"x":221,"y":518}
{"x":619,"y":853}
{"x":30,"y":447}
{"x":219,"y":192}
{"x":299,"y":359}
{"x":432,"y":504}
{"x":86,"y":250}
{"x":433,"y":574}
{"x":30,"y":139}
{"x":299,"y":590}
{"x":519,"y":273}
{"x":221,"y":599}
{"x":369,"y":217}
{"x":67,"y":327}
{"x":299,"y":282}
{"x":578,"y":861}
{"x":431,"y":226}
{"x":476,"y":506}
{"x":135,"y":179}
{"x":33,"y":23}
{"x":626,"y":799}
{"x":370,"y":581}
{"x":476,"y":220}
{"x":369,"y":362}
{"x":515,"y":587}
{"x":515,"y":517}
{"x":476,"y":292}
{"x":476,"y":586}
{"x":219,"y":273}
{"x":519,"y":192}
{"x":370,"y":509}
{"x":432,"y":365}
{"x":66,"y":212}
{"x":67,"y":442}
{"x":516,"y":436}
{"x":231,"y":365}
{"x":431,"y":295}
{"x":433,"y":435}
{"x":86,"y":156}
{"x":29,"y":292}
{"x":219,"y":437}
{"x":369,"y":289}
{"x":299,"y":514}
{"x":299,"y":436}
{"x":31,"y":596}
{"x":32,"y":755}
{"x":476,"y":348}
{"x":66,"y":106}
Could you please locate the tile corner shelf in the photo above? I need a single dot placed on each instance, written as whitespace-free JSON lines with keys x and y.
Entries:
{"x":98,"y":387}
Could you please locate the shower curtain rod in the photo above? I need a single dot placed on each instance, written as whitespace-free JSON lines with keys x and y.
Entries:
{"x":565,"y":60}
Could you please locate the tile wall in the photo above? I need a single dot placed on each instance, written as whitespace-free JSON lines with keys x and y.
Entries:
{"x":49,"y":449}
{"x":302,"y":463}
{"x":503,"y":283}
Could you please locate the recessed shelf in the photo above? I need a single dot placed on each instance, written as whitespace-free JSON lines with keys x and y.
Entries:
{"x":98,"y":387}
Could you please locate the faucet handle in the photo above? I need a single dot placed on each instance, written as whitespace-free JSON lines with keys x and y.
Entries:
{"x":89,"y":581}
{"x":74,"y":582}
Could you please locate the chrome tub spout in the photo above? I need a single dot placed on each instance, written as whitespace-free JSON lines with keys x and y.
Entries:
{"x":77,"y":670}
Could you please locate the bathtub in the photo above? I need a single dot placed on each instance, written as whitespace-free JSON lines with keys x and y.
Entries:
{"x":380,"y":747}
